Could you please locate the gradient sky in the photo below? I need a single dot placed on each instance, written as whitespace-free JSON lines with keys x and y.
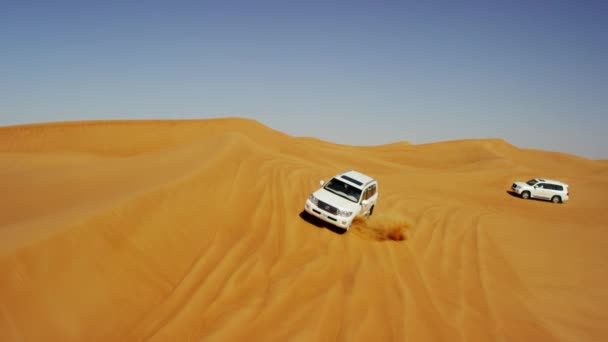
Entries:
{"x":534,"y":73}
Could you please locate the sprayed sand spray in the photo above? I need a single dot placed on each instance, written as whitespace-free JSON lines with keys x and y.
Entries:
{"x":382,"y":227}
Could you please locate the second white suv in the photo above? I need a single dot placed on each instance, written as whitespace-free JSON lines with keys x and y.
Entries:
{"x":345,"y":196}
{"x":547,"y":189}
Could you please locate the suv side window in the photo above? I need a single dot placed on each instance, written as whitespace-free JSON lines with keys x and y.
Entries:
{"x":540,"y":186}
{"x":371,"y":191}
{"x":558,"y":187}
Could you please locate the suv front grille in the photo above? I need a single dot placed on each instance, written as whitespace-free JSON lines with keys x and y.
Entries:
{"x":330,"y":209}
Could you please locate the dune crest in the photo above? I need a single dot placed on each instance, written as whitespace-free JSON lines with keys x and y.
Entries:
{"x":190,"y":230}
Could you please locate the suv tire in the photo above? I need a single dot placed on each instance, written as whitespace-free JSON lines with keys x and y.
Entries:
{"x":525,"y":194}
{"x":556,"y":199}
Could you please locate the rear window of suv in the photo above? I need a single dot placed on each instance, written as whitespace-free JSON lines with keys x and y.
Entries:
{"x":553,"y":187}
{"x":557,"y":187}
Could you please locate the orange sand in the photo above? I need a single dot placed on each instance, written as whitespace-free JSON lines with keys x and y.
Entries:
{"x":191,"y":230}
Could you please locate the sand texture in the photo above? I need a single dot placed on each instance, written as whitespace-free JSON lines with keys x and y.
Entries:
{"x":192,"y":230}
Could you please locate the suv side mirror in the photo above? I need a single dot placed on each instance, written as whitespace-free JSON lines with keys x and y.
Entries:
{"x":322,"y":182}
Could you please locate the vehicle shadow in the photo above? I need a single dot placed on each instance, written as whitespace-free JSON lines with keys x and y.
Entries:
{"x":320,"y":223}
{"x":513,"y":193}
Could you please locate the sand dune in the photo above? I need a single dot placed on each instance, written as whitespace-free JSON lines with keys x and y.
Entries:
{"x":191,"y":230}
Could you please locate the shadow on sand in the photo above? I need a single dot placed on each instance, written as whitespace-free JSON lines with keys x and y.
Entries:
{"x":513,"y":193}
{"x":320,"y":223}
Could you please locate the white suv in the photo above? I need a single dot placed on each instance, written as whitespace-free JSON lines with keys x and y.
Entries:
{"x":345,"y":196}
{"x":556,"y":192}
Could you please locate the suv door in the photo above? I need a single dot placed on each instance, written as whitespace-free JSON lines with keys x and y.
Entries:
{"x":542,"y":190}
{"x":372,"y":195}
{"x":365,"y":198}
{"x":554,"y":189}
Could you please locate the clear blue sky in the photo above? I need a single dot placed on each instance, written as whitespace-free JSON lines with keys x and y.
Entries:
{"x":357,"y":72}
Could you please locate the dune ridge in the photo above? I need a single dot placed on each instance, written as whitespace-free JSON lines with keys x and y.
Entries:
{"x":191,"y":230}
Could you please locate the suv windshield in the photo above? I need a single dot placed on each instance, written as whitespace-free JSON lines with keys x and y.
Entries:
{"x":342,"y":189}
{"x":531,"y":182}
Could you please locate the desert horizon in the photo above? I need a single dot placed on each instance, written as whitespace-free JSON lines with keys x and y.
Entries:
{"x":193,"y":230}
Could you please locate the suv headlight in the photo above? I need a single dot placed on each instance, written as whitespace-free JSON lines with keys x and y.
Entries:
{"x":313,"y":199}
{"x":344,"y":213}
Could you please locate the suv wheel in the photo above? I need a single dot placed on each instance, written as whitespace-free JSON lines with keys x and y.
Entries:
{"x":371,"y":211}
{"x":556,"y":199}
{"x":525,"y":194}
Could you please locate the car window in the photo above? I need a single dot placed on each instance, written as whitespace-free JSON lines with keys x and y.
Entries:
{"x":558,"y":187}
{"x":372,"y":191}
{"x":540,"y":186}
